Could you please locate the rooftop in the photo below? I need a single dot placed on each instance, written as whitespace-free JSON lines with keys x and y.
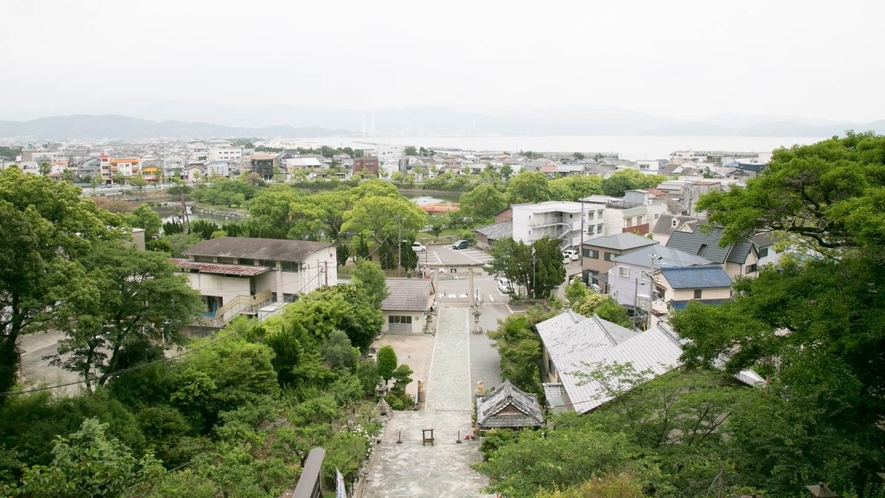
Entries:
{"x":620,"y":241}
{"x":251,"y":248}
{"x":664,"y":257}
{"x":696,"y":277}
{"x":497,"y":231}
{"x":408,"y":295}
{"x":491,"y":409}
{"x":220,"y":269}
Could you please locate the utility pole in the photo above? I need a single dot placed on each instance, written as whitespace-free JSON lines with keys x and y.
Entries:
{"x":636,"y":307}
{"x":326,"y":271}
{"x":399,"y":243}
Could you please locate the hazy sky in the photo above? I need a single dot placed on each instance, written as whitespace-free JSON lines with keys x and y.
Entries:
{"x":679,"y":58}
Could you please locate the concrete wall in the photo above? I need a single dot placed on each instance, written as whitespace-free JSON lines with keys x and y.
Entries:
{"x":418,"y":320}
{"x":221,"y":286}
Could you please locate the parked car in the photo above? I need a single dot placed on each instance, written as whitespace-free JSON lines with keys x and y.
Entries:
{"x":460,"y":244}
{"x":504,"y":286}
{"x":418,"y":247}
{"x":571,"y":254}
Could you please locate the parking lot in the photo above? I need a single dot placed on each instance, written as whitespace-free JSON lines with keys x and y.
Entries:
{"x":445,"y":255}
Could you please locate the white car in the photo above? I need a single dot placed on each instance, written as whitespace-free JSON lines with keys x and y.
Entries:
{"x":505,"y":287}
{"x":570,"y":255}
{"x":418,"y":247}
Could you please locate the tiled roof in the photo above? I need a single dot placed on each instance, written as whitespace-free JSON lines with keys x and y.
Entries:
{"x":250,"y":248}
{"x":573,"y":350}
{"x":497,"y":231}
{"x":621,"y":241}
{"x":407,"y":295}
{"x":698,"y":242}
{"x":664,"y":257}
{"x":664,"y":225}
{"x":489,"y":408}
{"x":696,"y":277}
{"x":220,"y":269}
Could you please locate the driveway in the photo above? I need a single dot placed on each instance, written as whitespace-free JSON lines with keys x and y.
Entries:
{"x":403,"y":466}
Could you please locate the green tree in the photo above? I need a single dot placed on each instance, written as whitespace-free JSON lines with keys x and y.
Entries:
{"x":386,"y":220}
{"x":482,"y":203}
{"x":519,"y":347}
{"x":386,"y":362}
{"x":338,"y":352}
{"x":437,"y":225}
{"x":368,"y":277}
{"x":538,"y":267}
{"x":43,"y":227}
{"x":578,"y":156}
{"x":629,"y":179}
{"x":116,"y":299}
{"x":575,"y":291}
{"x":94,"y":182}
{"x":138,"y":182}
{"x":528,"y":186}
{"x":506,"y":172}
{"x":594,"y":303}
{"x":88,"y":463}
{"x":146,"y":218}
{"x":575,"y":188}
{"x":410,"y":151}
{"x":67,"y":176}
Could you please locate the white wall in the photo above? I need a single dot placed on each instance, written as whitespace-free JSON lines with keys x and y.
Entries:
{"x":221,"y":286}
{"x":418,"y":320}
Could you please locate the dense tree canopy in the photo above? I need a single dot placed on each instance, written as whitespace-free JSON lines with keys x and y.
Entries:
{"x":629,"y":179}
{"x":537,"y":266}
{"x":528,"y":186}
{"x":482,"y":203}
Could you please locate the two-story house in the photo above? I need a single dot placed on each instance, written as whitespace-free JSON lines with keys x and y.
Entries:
{"x":630,"y":280}
{"x":557,"y":220}
{"x":736,"y":259}
{"x":234,"y":274}
{"x":598,"y":254}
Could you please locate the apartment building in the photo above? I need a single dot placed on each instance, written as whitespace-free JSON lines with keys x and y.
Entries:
{"x":558,"y":220}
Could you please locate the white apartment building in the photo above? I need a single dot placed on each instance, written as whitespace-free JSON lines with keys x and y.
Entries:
{"x":558,"y":220}
{"x":634,"y":213}
{"x":224,"y":152}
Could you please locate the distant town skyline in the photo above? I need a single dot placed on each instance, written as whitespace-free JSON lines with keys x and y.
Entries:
{"x":684,"y":59}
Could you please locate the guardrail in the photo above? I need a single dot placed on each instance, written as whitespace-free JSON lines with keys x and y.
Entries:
{"x":309,"y":483}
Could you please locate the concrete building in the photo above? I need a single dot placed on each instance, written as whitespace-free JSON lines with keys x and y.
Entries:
{"x":224,"y":152}
{"x":557,"y":220}
{"x":365,"y":166}
{"x":262,"y":163}
{"x":235,"y":274}
{"x":407,"y":307}
{"x":634,"y":213}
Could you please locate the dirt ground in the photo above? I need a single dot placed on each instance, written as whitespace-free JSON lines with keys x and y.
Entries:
{"x":412,"y":350}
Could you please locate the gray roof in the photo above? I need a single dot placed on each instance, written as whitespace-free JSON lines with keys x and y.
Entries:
{"x":664,"y":257}
{"x":407,"y":295}
{"x":497,"y":231}
{"x":620,"y":241}
{"x":664,"y":225}
{"x":490,"y":409}
{"x":577,"y":349}
{"x":696,"y":277}
{"x":694,"y":242}
{"x":557,"y":398}
{"x":249,"y":248}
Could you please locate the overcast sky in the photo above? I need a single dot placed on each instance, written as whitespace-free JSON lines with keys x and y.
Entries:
{"x":682,"y":59}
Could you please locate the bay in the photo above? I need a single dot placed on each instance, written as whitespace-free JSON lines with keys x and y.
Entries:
{"x":628,"y":147}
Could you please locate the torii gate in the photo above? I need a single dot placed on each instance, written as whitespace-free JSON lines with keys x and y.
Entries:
{"x":470,"y":286}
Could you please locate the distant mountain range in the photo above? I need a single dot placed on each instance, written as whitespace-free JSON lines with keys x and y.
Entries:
{"x":216,"y":121}
{"x":123,"y":127}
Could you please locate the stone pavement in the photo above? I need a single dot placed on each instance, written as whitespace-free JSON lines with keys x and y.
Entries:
{"x":410,"y":469}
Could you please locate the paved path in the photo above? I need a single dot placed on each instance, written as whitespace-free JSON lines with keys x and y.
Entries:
{"x":411,"y":469}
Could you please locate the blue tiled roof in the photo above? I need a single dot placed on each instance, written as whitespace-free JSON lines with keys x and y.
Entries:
{"x":696,"y":277}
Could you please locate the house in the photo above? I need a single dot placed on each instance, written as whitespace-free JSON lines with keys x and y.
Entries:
{"x":407,"y":307}
{"x":487,"y":235}
{"x":508,"y":407}
{"x":262,"y":163}
{"x":302,"y":164}
{"x":632,"y":215}
{"x":556,"y":220}
{"x":675,"y":287}
{"x":366,"y":166}
{"x":598,"y":254}
{"x":736,"y":259}
{"x":574,"y":345}
{"x":630,"y":279}
{"x":229,"y":270}
{"x":668,"y":223}
{"x":218,"y":168}
{"x":223,"y":151}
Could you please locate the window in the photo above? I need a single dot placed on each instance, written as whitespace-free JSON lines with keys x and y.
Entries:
{"x":752,"y":268}
{"x":763,"y":252}
{"x":623,"y":271}
{"x":644,"y":275}
{"x":399,"y":319}
{"x":609,"y":256}
{"x":698,"y":293}
{"x":599,"y":228}
{"x":702,"y":249}
{"x":591,"y":253}
{"x":292,"y":266}
{"x":267,"y":262}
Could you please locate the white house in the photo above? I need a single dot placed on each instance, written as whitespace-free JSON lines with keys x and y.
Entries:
{"x":634,"y":215}
{"x":253,"y":272}
{"x":407,"y":307}
{"x":557,"y":220}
